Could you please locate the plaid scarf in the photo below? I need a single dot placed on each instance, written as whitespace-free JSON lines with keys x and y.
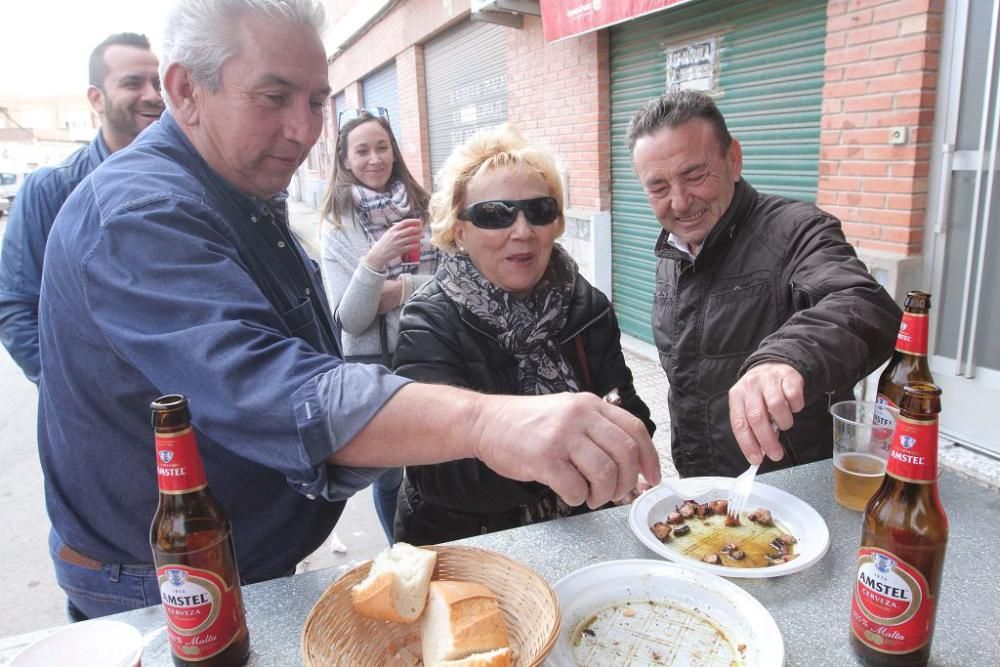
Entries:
{"x":526,"y":328}
{"x":377,"y":211}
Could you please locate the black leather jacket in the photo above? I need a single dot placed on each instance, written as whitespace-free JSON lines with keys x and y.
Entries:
{"x":438,"y":343}
{"x":775,"y":281}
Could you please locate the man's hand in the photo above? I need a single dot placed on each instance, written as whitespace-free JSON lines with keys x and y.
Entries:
{"x":761,"y":404}
{"x":642,"y":487}
{"x":580,"y":446}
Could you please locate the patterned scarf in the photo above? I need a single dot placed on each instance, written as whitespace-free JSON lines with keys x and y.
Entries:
{"x":529,"y":328}
{"x":377,"y":211}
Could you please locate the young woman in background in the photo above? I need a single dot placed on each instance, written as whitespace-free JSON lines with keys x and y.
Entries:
{"x":376,"y":251}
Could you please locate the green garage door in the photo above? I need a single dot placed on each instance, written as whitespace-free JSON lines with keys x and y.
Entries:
{"x":769,"y":87}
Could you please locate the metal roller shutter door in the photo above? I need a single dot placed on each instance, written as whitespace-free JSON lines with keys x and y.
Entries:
{"x":339,"y":104}
{"x":381,"y":89}
{"x":466,"y":72}
{"x":770,"y":89}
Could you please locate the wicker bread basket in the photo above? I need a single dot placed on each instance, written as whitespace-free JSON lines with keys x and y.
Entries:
{"x":335,"y":635}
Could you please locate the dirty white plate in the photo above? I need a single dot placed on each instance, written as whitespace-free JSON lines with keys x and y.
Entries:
{"x":796,"y":515}
{"x":95,"y":643}
{"x":644,"y":612}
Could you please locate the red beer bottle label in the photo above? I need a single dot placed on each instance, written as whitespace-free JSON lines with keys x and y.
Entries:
{"x":913,"y":457}
{"x":912,"y":336}
{"x":178,"y":465}
{"x":203,"y":612}
{"x":892,"y":610}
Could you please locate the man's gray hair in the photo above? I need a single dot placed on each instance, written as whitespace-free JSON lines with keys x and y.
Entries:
{"x":200,"y":34}
{"x":676,"y":108}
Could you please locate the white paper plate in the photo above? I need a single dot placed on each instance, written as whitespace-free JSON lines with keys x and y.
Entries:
{"x":799,"y":517}
{"x":694,"y":619}
{"x":96,"y":643}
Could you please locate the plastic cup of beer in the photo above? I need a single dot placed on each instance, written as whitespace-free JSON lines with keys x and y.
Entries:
{"x":862,"y":436}
{"x":412,"y":255}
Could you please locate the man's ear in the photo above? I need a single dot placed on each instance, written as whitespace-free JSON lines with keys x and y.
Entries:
{"x":96,"y":98}
{"x":735,"y":158}
{"x":179,"y":88}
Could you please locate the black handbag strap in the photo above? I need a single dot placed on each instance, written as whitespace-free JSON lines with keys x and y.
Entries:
{"x":384,"y":340}
{"x":581,"y":354}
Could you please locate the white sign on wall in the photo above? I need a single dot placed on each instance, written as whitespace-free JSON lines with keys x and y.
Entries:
{"x":692,"y":66}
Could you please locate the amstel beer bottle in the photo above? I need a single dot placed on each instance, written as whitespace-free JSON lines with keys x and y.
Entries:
{"x":909,"y":361}
{"x":193,"y":550}
{"x":903,"y":540}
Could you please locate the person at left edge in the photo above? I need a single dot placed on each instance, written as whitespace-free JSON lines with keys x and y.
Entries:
{"x":124,"y":92}
{"x":171,"y":269}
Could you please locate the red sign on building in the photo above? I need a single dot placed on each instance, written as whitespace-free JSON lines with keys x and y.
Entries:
{"x":565,"y":18}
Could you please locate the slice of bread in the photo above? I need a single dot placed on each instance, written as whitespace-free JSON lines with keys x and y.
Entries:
{"x":396,"y":586}
{"x":498,"y":658}
{"x":461,"y":619}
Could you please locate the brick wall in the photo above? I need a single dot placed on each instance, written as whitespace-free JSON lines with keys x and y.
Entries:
{"x":410,"y":22}
{"x":559,"y":98}
{"x":558,"y":93}
{"x":410,"y":76}
{"x":881,"y":73}
{"x":353,"y":93}
{"x":399,"y":35}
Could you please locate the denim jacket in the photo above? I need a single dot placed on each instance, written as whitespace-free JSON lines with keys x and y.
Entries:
{"x":31,"y":218}
{"x":163,"y":278}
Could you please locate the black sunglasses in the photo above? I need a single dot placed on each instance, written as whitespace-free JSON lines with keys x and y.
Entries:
{"x":501,"y":213}
{"x":348,"y":115}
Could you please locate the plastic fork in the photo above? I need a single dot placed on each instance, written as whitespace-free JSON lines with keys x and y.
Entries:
{"x":739,"y":492}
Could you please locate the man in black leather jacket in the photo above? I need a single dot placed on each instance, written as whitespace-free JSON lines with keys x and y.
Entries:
{"x":763,"y":315}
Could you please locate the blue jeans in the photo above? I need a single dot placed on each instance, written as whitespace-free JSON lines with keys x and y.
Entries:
{"x":97,"y":589}
{"x":384,"y":492}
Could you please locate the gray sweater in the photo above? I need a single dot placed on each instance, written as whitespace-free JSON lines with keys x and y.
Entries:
{"x":353,"y":289}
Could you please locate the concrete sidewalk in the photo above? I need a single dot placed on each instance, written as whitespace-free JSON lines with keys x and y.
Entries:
{"x":305,"y":223}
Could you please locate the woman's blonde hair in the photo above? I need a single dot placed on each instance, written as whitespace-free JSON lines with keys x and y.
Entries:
{"x":493,"y":148}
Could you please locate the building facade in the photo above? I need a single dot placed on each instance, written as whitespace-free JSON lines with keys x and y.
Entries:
{"x":36,"y":131}
{"x":882,"y":112}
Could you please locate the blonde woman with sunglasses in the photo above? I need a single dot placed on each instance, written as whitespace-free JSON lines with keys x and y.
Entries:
{"x":376,"y":251}
{"x":507,"y":313}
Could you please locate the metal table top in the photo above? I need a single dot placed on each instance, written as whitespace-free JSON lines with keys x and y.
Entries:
{"x":811,"y":607}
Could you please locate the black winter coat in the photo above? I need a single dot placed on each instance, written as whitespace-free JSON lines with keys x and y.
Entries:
{"x":775,"y":281}
{"x":439,"y":343}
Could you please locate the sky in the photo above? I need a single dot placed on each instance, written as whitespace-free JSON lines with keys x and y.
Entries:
{"x":45,"y":44}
